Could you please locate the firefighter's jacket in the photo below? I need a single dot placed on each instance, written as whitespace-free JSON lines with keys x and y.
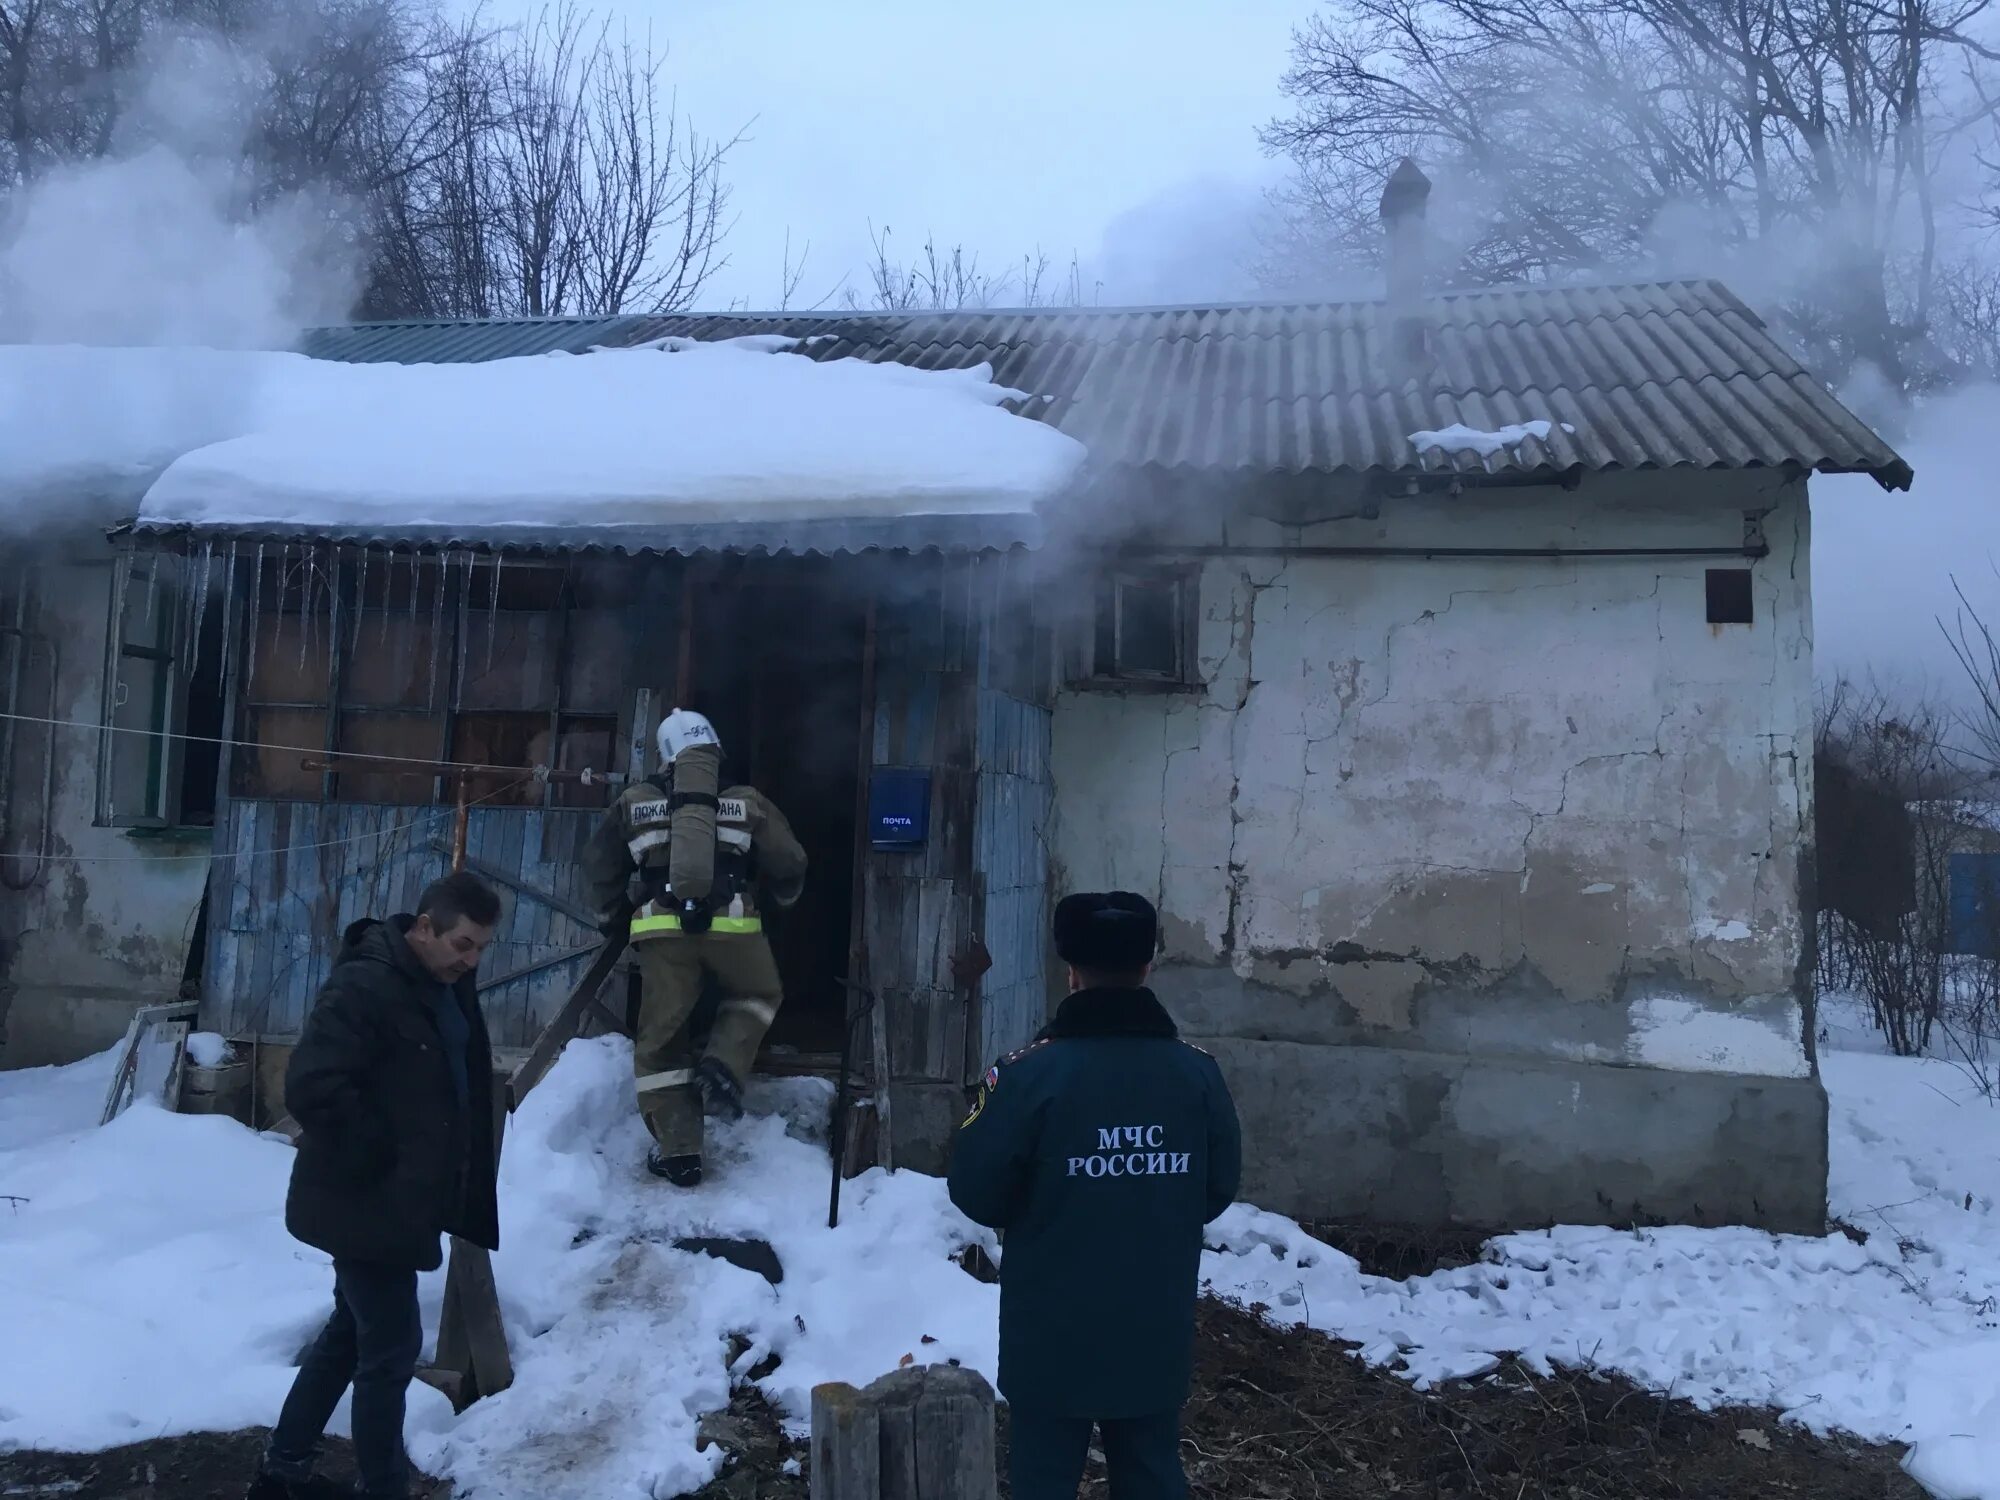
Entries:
{"x":756,"y":855}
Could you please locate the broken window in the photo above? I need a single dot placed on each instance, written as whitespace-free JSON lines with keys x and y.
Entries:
{"x":163,"y":701}
{"x":288,"y":681}
{"x":399,"y":663}
{"x":1729,"y":597}
{"x":1144,"y":627}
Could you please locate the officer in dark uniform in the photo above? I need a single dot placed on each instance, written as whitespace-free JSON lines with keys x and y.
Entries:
{"x":1099,"y":1152}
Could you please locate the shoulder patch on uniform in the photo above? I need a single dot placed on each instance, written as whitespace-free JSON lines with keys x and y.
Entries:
{"x":986,"y":1087}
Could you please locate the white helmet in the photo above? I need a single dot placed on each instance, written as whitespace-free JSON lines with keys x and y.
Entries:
{"x":682,"y":728}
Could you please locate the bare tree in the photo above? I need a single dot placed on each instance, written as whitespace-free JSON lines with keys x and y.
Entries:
{"x":1894,"y":950}
{"x":482,"y":170}
{"x":568,"y":186}
{"x":1574,"y":132}
{"x":942,"y":279}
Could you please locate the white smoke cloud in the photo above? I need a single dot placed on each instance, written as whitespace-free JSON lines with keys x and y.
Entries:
{"x":162,"y":241}
{"x":1884,"y":564}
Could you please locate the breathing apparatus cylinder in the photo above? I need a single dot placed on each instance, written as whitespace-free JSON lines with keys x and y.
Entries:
{"x":688,"y":743}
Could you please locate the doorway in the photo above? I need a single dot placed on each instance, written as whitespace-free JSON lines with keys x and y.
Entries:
{"x":775,"y":661}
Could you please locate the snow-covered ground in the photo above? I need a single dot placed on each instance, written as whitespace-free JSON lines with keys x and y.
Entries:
{"x":146,"y":1275}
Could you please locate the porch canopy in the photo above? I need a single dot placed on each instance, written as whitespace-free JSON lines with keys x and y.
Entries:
{"x":674,"y":446}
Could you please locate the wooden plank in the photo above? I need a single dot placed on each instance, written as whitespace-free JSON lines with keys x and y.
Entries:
{"x":846,"y":1445}
{"x":935,"y":1426}
{"x":557,"y":1034}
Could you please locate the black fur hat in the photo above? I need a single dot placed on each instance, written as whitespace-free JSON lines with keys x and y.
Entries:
{"x":1111,"y":932}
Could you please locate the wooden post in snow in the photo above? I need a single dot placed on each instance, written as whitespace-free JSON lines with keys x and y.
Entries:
{"x":923,"y":1433}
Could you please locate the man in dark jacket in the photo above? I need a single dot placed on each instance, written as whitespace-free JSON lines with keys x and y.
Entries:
{"x":1099,"y":1152}
{"x":392,"y":1087}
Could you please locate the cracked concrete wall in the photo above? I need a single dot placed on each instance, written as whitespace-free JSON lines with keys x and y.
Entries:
{"x":105,"y":924}
{"x":1524,"y":808}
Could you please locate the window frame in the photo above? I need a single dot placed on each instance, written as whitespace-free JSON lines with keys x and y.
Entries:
{"x":168,"y":719}
{"x":459,"y":633}
{"x":1105,"y":609}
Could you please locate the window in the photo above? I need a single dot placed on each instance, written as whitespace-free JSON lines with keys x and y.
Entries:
{"x":163,"y":698}
{"x":1729,"y":597}
{"x":513,"y":665}
{"x":1143,"y":629}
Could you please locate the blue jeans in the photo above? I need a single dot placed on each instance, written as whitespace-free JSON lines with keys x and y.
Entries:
{"x":371,"y":1342}
{"x":1142,"y":1456}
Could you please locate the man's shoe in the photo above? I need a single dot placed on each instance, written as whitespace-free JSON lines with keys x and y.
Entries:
{"x":721,"y":1094}
{"x":681,"y":1171}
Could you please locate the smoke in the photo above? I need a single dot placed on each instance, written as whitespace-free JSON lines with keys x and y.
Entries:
{"x":1885,"y":565}
{"x":169,"y":239}
{"x":173,"y":241}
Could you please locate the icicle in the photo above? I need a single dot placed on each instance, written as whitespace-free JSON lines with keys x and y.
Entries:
{"x":360,"y":597}
{"x":201,"y":598}
{"x":256,"y":616}
{"x":493,"y":607}
{"x":305,"y":599}
{"x":437,"y":635}
{"x":388,"y":594}
{"x":184,"y":611}
{"x":229,"y":622}
{"x":332,"y":608}
{"x":152,"y":589}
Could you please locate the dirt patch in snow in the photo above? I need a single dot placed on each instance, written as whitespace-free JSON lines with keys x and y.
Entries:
{"x":1281,"y":1414}
{"x":1284,"y":1413}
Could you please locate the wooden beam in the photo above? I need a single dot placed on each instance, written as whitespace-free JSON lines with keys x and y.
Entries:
{"x":568,"y":955}
{"x":472,"y":1338}
{"x":558,"y":1033}
{"x":492,"y":874}
{"x":857,"y":944}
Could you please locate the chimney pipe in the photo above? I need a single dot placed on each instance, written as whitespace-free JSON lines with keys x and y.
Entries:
{"x":1404,"y":198}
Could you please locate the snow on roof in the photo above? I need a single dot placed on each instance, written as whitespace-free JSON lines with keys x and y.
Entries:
{"x":693,"y":433}
{"x":1458,"y":438}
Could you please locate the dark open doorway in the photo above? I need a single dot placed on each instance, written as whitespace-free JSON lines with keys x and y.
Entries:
{"x":775,"y":661}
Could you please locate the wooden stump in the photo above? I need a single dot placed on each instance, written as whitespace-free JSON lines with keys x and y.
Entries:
{"x":924,"y":1433}
{"x":846,"y":1445}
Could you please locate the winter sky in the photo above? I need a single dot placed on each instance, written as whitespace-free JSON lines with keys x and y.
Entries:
{"x":1121,"y":131}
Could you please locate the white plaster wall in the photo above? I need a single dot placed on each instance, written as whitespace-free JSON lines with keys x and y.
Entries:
{"x":1554,"y":811}
{"x":104,"y":927}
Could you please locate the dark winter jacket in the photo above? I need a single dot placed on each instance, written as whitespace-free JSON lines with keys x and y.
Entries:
{"x":389,"y":1158}
{"x":1100,"y":1151}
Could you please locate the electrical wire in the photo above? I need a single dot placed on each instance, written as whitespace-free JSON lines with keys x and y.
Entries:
{"x":208,"y":739}
{"x":211,"y":855}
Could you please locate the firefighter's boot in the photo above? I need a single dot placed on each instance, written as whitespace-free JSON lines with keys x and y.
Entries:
{"x":721,"y":1094}
{"x":681,"y":1171}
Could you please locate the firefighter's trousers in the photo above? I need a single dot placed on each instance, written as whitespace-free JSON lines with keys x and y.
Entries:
{"x":670,"y":981}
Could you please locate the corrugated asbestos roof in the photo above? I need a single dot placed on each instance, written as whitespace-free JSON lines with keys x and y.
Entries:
{"x":1654,"y":376}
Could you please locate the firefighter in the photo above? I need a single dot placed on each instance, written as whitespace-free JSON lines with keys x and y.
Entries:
{"x":682,"y":863}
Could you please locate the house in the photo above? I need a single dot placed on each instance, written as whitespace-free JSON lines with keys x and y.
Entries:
{"x":1440,"y":666}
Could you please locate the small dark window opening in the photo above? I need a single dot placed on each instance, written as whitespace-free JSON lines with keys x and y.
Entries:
{"x":1729,"y":598}
{"x":1142,"y":628}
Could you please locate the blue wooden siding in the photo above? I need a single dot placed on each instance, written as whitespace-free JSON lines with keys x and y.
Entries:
{"x":1975,"y":904}
{"x":1011,"y":854}
{"x":291,"y":876}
